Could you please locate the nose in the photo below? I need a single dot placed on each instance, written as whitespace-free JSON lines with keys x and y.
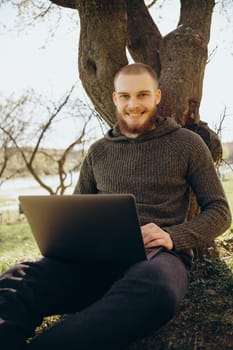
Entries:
{"x":133,"y":102}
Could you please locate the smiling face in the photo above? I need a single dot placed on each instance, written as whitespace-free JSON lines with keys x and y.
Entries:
{"x":136,"y":97}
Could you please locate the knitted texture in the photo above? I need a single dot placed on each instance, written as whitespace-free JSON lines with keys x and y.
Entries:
{"x":159,"y":168}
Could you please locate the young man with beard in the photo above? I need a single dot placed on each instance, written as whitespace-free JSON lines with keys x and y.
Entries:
{"x":158,"y":161}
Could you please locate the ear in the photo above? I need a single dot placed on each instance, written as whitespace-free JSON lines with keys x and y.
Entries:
{"x":114,"y":97}
{"x":158,"y":96}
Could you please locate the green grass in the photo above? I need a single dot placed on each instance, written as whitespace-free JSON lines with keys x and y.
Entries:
{"x":228,"y":187}
{"x":205,"y":318}
{"x":16,"y":244}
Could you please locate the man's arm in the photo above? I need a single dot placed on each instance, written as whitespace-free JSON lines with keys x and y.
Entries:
{"x":215,"y":216}
{"x":86,"y":182}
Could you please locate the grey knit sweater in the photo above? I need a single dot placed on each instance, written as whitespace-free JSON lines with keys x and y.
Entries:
{"x":158,"y":168}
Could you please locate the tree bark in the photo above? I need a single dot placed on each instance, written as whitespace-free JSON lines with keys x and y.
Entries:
{"x":102,"y":50}
{"x":144,"y":37}
{"x":183,"y":55}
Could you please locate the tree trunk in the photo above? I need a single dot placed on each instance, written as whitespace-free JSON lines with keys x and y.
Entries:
{"x":183,"y":55}
{"x":102,"y":50}
{"x":144,"y":38}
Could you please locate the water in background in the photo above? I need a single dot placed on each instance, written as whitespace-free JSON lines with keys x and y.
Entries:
{"x":11,"y":189}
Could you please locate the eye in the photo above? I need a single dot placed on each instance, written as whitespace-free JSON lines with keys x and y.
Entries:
{"x":143,"y":94}
{"x":124,"y":97}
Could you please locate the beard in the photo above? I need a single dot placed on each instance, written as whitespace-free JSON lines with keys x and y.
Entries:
{"x":137,"y":129}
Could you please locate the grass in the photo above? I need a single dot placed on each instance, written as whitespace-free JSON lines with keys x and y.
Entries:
{"x":228,"y":187}
{"x":205,"y":318}
{"x":16,"y":244}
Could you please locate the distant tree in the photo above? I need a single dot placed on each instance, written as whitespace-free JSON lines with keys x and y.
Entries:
{"x":20,"y":141}
{"x":15,"y":129}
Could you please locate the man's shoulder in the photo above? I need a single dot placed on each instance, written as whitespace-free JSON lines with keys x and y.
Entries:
{"x":97,"y":146}
{"x":188,"y":143}
{"x":189,"y":136}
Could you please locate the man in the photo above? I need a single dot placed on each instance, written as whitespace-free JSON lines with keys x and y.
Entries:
{"x":158,"y":161}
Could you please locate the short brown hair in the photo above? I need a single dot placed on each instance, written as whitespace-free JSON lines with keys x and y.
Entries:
{"x":137,"y":68}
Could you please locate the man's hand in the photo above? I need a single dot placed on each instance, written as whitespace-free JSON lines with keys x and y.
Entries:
{"x":154,"y":236}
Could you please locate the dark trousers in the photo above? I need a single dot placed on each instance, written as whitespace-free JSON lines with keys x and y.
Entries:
{"x":110,"y":307}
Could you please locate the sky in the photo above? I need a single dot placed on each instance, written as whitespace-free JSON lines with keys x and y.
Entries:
{"x":33,"y":58}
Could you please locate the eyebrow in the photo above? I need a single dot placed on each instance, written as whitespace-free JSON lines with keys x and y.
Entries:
{"x":140,"y":91}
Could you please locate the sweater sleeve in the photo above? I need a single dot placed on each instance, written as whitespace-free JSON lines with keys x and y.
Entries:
{"x":215,"y":215}
{"x":86,"y":183}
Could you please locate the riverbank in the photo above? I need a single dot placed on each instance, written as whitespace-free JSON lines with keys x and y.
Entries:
{"x":13,"y":188}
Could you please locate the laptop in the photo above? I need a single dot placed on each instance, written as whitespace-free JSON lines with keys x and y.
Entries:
{"x":86,"y":227}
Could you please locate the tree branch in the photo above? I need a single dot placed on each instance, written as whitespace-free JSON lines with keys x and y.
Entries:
{"x":4,"y":149}
{"x":23,"y":151}
{"x":49,"y":122}
{"x":151,"y":4}
{"x":144,"y":37}
{"x":192,"y":17}
{"x":183,"y":54}
{"x":62,"y":174}
{"x":44,"y":12}
{"x":65,"y":3}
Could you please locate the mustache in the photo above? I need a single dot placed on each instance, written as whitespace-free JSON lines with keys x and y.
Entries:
{"x":155,"y":117}
{"x":134,"y":109}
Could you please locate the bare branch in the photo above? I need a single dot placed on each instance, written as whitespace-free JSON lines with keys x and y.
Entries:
{"x":47,"y":125}
{"x":229,"y":165}
{"x":44,"y":12}
{"x":5,"y":160}
{"x":62,"y":160}
{"x":219,"y":127}
{"x":151,"y":4}
{"x":28,"y":154}
{"x":212,"y":54}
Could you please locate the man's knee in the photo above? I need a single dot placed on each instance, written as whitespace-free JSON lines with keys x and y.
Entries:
{"x":163,"y":279}
{"x":164,"y":266}
{"x":159,"y":284}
